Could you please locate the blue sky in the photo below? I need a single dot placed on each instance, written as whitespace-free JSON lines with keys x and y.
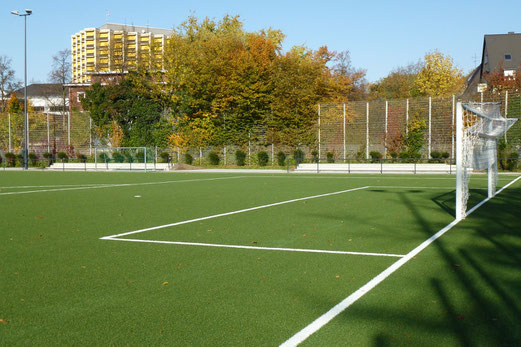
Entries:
{"x":380,"y":35}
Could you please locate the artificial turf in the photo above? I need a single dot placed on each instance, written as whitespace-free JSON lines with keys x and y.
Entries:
{"x":62,"y":285}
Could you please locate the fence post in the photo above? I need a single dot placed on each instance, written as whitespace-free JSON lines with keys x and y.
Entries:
{"x":272,"y":154}
{"x":95,"y":159}
{"x":407,"y":118}
{"x":249,"y":147}
{"x":385,"y":135}
{"x":48,"y":135}
{"x":452,"y":127}
{"x":367,"y":131}
{"x":9,"y":121}
{"x":90,"y":136}
{"x":344,"y":132}
{"x":69,"y":129}
{"x":319,"y":130}
{"x":506,"y":112}
{"x":430,"y":113}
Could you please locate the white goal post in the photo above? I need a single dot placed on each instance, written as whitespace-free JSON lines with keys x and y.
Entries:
{"x":478,"y":127}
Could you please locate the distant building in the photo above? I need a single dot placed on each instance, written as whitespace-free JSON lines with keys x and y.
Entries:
{"x":501,"y":50}
{"x":115,"y":49}
{"x":45,"y":97}
{"x":106,"y":53}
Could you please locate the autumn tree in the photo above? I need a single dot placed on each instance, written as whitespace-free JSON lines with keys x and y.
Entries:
{"x":439,"y":76}
{"x":497,"y":80}
{"x":349,"y":76}
{"x":399,"y":84}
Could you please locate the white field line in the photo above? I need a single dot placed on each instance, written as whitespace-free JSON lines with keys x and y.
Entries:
{"x":255,"y":247}
{"x":405,"y":187}
{"x":351,"y":299}
{"x":375,"y":176}
{"x":119,"y":185}
{"x":58,"y":186}
{"x":231,"y":213}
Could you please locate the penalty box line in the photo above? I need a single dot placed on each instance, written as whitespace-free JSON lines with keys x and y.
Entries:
{"x":117,"y":237}
{"x":318,"y":323}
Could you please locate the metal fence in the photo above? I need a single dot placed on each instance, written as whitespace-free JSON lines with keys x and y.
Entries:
{"x":347,"y":130}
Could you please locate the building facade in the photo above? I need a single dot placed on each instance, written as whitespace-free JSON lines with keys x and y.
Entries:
{"x":115,"y":49}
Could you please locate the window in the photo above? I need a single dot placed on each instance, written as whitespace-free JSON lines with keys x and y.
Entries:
{"x":81,"y":95}
{"x":508,"y":56}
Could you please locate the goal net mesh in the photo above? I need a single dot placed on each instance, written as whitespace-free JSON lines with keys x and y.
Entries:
{"x":483,"y":125}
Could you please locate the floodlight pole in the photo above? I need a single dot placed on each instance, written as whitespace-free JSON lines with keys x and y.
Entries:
{"x":26,"y":117}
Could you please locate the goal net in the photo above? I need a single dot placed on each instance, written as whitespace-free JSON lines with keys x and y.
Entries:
{"x":478,"y":128}
{"x":124,"y":158}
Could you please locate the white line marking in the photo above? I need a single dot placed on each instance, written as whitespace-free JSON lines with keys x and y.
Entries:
{"x":404,"y":187}
{"x":351,"y":299}
{"x":255,"y":247}
{"x":232,"y":213}
{"x":378,"y":176}
{"x":56,"y":186}
{"x":120,"y":185}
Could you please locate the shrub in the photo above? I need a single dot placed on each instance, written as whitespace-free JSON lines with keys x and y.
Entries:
{"x":403,"y":155}
{"x":10,"y":159}
{"x":263,"y":158}
{"x":118,"y":157}
{"x":375,"y":155}
{"x":512,"y":161}
{"x":82,"y":158}
{"x":63,"y":156}
{"x":189,"y":159}
{"x":19,"y":159}
{"x":240,"y":157}
{"x":314,"y":154}
{"x":213,"y":157}
{"x":435,"y":155}
{"x":128,"y":156}
{"x":165,"y":157}
{"x":394,"y":155}
{"x":33,"y":158}
{"x":47,"y":155}
{"x":281,"y":158}
{"x":139,"y":157}
{"x":445,"y":155}
{"x":330,"y":157}
{"x":103,"y":157}
{"x":298,"y":155}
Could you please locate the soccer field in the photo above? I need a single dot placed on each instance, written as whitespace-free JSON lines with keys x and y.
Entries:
{"x":102,"y":258}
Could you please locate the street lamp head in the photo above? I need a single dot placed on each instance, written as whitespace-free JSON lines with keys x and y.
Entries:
{"x":28,"y":11}
{"x":15,"y":13}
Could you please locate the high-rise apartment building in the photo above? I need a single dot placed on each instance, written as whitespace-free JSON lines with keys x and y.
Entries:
{"x":115,"y":49}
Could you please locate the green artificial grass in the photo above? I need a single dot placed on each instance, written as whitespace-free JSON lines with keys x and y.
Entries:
{"x":62,"y":285}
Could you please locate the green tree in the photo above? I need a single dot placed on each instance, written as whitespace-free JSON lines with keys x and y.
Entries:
{"x":120,"y":108}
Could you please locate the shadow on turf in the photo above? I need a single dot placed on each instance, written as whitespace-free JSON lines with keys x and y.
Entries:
{"x":471,"y":293}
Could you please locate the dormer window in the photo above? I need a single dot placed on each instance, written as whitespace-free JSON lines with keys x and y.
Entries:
{"x":508,"y":56}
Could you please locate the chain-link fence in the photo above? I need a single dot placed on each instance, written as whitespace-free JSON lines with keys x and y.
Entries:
{"x":343,"y":131}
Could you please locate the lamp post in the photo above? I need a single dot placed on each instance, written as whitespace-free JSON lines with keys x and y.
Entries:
{"x":26,"y":118}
